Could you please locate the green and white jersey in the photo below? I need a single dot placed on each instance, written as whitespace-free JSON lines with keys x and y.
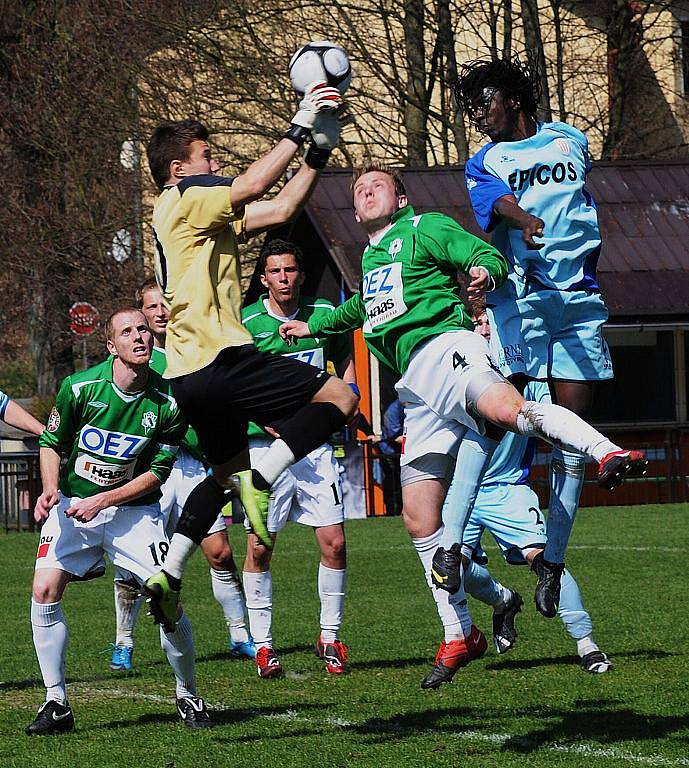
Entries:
{"x":264,"y":326}
{"x":106,"y":437}
{"x":409,"y":290}
{"x":190,"y":442}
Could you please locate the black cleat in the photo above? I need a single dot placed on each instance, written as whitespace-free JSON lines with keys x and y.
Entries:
{"x":547,"y":595}
{"x":615,"y":467}
{"x":52,"y":717}
{"x":192,"y":710}
{"x":504,"y":630}
{"x":596,"y":663}
{"x":446,"y":568}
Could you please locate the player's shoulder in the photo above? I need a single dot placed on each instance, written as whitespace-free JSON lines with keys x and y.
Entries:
{"x":253,"y":311}
{"x":82,"y":381}
{"x":160,"y":389}
{"x":205,"y":180}
{"x":431,"y":222}
{"x":476,"y":164}
{"x":565,"y":130}
{"x":315,"y":305}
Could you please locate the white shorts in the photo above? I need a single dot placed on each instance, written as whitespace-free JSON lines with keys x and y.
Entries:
{"x":186,"y":474}
{"x":445,"y":378}
{"x":308,"y":492}
{"x":133,"y":538}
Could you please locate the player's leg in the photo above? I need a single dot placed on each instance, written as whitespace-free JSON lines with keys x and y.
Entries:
{"x":128,"y":602}
{"x":332,"y":575}
{"x":66,"y":549}
{"x":135,"y":540}
{"x":227,"y":589}
{"x":424,"y":486}
{"x":578,"y":623}
{"x":257,"y":577}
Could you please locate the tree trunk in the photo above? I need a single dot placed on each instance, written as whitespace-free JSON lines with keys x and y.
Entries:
{"x":451,"y":75}
{"x":534,"y":47}
{"x":416,"y":101}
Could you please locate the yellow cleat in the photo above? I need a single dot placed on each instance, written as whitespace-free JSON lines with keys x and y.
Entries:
{"x":255,"y":505}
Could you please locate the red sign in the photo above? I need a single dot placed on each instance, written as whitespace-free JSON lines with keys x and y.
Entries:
{"x":84,"y":318}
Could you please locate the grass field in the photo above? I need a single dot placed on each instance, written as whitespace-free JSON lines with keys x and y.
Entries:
{"x":532,"y":704}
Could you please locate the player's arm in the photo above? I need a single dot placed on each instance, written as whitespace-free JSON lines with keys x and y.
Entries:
{"x":13,"y":414}
{"x":285,"y":206}
{"x":493,"y":200}
{"x":516,"y":217}
{"x":84,"y":510}
{"x":49,"y":460}
{"x":261,"y":175}
{"x":347,"y":317}
{"x":55,"y":441}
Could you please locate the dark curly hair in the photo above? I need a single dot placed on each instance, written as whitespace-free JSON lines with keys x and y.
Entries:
{"x":514,"y":79}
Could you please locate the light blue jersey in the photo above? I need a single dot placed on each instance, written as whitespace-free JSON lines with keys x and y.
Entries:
{"x":4,"y":401}
{"x":546,"y":173}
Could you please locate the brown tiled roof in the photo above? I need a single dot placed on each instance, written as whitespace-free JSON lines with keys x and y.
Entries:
{"x":643,"y":212}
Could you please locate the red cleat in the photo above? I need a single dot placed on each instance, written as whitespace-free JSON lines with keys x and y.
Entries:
{"x":616,"y":466}
{"x":267,"y":663}
{"x":333,"y":654}
{"x":454,"y":655}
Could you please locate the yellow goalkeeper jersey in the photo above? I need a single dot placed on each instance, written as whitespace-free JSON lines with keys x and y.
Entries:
{"x":197,"y":267}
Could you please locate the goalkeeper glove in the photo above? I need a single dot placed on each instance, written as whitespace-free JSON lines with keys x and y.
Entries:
{"x":318,"y":97}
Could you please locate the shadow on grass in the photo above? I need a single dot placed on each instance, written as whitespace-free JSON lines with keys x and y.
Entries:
{"x":547,"y":661}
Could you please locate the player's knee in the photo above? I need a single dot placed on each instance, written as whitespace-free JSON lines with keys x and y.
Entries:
{"x":334,"y":553}
{"x":221,"y":560}
{"x":46,"y":589}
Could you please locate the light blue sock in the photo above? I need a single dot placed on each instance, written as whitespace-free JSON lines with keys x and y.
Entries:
{"x":572,"y":612}
{"x":473,"y":457}
{"x":481,"y":585}
{"x":566,"y":482}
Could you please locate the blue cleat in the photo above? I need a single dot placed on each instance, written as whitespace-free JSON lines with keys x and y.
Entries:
{"x":244,"y":650}
{"x":121,"y":658}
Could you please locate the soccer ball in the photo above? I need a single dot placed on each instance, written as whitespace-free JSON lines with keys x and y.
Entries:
{"x":320,"y":61}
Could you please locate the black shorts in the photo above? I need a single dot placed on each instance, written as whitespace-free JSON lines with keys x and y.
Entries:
{"x":241,"y":385}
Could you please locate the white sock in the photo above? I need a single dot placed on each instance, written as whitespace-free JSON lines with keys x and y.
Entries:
{"x":258,"y":589}
{"x":331,"y":591}
{"x":586,"y":645}
{"x":562,"y":428}
{"x":274,"y":461}
{"x":227,"y":590}
{"x":452,"y":609}
{"x":179,"y":649}
{"x":128,"y":601}
{"x":181,"y":549}
{"x":50,"y":641}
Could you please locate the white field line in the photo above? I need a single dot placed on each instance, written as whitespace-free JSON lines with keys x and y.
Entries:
{"x":499,"y":739}
{"x":491,"y":548}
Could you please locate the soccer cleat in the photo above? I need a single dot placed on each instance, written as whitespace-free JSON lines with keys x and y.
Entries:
{"x":121,"y":658}
{"x":255,"y":505}
{"x":333,"y":654}
{"x":596,"y":663}
{"x":547,"y":595}
{"x":504,"y":630}
{"x":193,"y":713}
{"x":616,"y":466}
{"x":446,"y":568}
{"x":52,"y":717}
{"x":454,"y":655}
{"x":267,"y":663}
{"x":244,"y":650}
{"x":162,"y":601}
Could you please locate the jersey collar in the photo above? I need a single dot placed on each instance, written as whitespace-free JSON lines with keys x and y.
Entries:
{"x":402,"y":213}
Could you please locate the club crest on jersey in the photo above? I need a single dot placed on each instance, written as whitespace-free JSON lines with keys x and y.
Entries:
{"x":114,"y":445}
{"x":53,"y":420}
{"x":395,"y":247}
{"x":149,"y":421}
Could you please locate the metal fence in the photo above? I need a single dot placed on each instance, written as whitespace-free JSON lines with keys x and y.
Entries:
{"x":20,"y":486}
